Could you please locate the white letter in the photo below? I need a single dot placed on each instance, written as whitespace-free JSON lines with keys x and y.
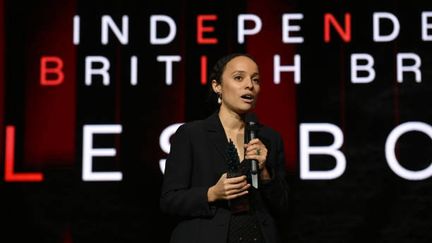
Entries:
{"x":391,"y":157}
{"x":89,"y":71}
{"x":426,"y":26}
{"x":122,"y":37}
{"x":376,"y":27}
{"x":164,"y":142}
{"x":168,"y":70}
{"x":287,"y":28}
{"x":277,"y":69}
{"x":368,"y":67}
{"x":134,"y":70}
{"x":332,"y":150}
{"x":76,"y":29}
{"x":154,"y":40}
{"x":413,"y":68}
{"x":89,"y":152}
{"x":241,"y":32}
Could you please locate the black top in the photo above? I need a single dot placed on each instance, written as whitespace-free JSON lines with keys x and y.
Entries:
{"x":244,"y":226}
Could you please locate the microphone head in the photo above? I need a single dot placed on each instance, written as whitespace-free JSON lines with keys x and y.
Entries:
{"x":251,"y":119}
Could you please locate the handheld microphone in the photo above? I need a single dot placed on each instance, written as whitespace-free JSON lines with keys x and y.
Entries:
{"x":251,"y":128}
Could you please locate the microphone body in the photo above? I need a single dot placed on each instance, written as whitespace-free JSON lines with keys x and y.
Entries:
{"x":251,"y":128}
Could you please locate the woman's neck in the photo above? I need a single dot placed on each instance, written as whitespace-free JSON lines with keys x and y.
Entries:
{"x":233,"y":126}
{"x":231,"y":121}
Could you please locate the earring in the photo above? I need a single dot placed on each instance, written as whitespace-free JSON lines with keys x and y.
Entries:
{"x":219,"y":98}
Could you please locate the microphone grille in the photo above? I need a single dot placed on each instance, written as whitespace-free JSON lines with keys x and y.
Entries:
{"x":251,"y":118}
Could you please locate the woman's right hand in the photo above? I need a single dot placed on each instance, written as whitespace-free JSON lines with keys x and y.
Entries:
{"x":228,"y":188}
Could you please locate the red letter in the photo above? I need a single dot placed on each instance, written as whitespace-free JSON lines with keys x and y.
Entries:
{"x":10,"y":175}
{"x":346,"y":35}
{"x":56,"y":70}
{"x":203,"y":70}
{"x":201,"y":29}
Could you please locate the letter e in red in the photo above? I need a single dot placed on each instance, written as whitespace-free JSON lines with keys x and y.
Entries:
{"x":201,"y":29}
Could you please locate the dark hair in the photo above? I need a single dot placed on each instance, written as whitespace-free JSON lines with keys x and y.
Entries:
{"x":219,"y":67}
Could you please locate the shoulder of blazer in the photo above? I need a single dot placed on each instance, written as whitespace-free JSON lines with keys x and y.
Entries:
{"x":211,"y":123}
{"x":268,"y":133}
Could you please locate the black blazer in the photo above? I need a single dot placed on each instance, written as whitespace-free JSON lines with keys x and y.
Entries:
{"x":195,"y":163}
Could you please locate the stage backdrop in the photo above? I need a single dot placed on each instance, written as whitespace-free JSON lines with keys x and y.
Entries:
{"x":91,"y":92}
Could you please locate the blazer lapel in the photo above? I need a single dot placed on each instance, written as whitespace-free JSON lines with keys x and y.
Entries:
{"x":216,"y":134}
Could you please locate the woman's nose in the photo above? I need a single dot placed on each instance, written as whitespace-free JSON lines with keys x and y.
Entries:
{"x":249,"y":83}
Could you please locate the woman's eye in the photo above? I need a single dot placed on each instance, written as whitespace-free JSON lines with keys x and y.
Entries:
{"x":256,"y":80}
{"x":238,"y":78}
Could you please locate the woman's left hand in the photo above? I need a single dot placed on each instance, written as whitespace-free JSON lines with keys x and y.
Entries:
{"x":255,"y":149}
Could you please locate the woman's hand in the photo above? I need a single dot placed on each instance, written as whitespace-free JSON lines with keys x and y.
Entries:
{"x":256,"y":150}
{"x":228,"y":188}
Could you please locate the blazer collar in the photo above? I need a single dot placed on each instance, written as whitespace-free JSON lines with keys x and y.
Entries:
{"x":216,"y":133}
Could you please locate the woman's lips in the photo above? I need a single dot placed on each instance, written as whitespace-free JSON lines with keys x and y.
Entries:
{"x":248,"y":98}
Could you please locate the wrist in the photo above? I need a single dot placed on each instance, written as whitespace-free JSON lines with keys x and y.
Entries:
{"x":264,"y":174}
{"x":210,"y":195}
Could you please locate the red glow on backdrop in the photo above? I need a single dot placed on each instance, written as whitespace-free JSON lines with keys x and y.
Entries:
{"x":67,"y":235}
{"x":50,"y":123}
{"x":272,"y":101}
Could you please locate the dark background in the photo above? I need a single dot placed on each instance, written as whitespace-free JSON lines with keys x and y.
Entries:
{"x":368,"y":203}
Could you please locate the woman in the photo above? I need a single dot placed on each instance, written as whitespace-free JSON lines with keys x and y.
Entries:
{"x":196,"y":187}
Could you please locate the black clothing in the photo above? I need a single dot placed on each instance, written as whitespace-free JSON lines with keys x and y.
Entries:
{"x":244,"y":226}
{"x":195,"y":163}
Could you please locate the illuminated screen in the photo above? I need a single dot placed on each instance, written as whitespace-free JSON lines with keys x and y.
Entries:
{"x":91,"y":92}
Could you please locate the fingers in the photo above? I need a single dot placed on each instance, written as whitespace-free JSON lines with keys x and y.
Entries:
{"x":239,"y":194}
{"x":235,"y":187}
{"x":234,"y":193}
{"x":255,"y":146}
{"x":236,"y":179}
{"x":254,"y":141}
{"x":256,"y":150}
{"x":235,"y":184}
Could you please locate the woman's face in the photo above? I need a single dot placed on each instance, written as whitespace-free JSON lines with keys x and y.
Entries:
{"x":240,"y":85}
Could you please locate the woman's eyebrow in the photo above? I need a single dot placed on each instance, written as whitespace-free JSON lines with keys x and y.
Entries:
{"x":238,"y":71}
